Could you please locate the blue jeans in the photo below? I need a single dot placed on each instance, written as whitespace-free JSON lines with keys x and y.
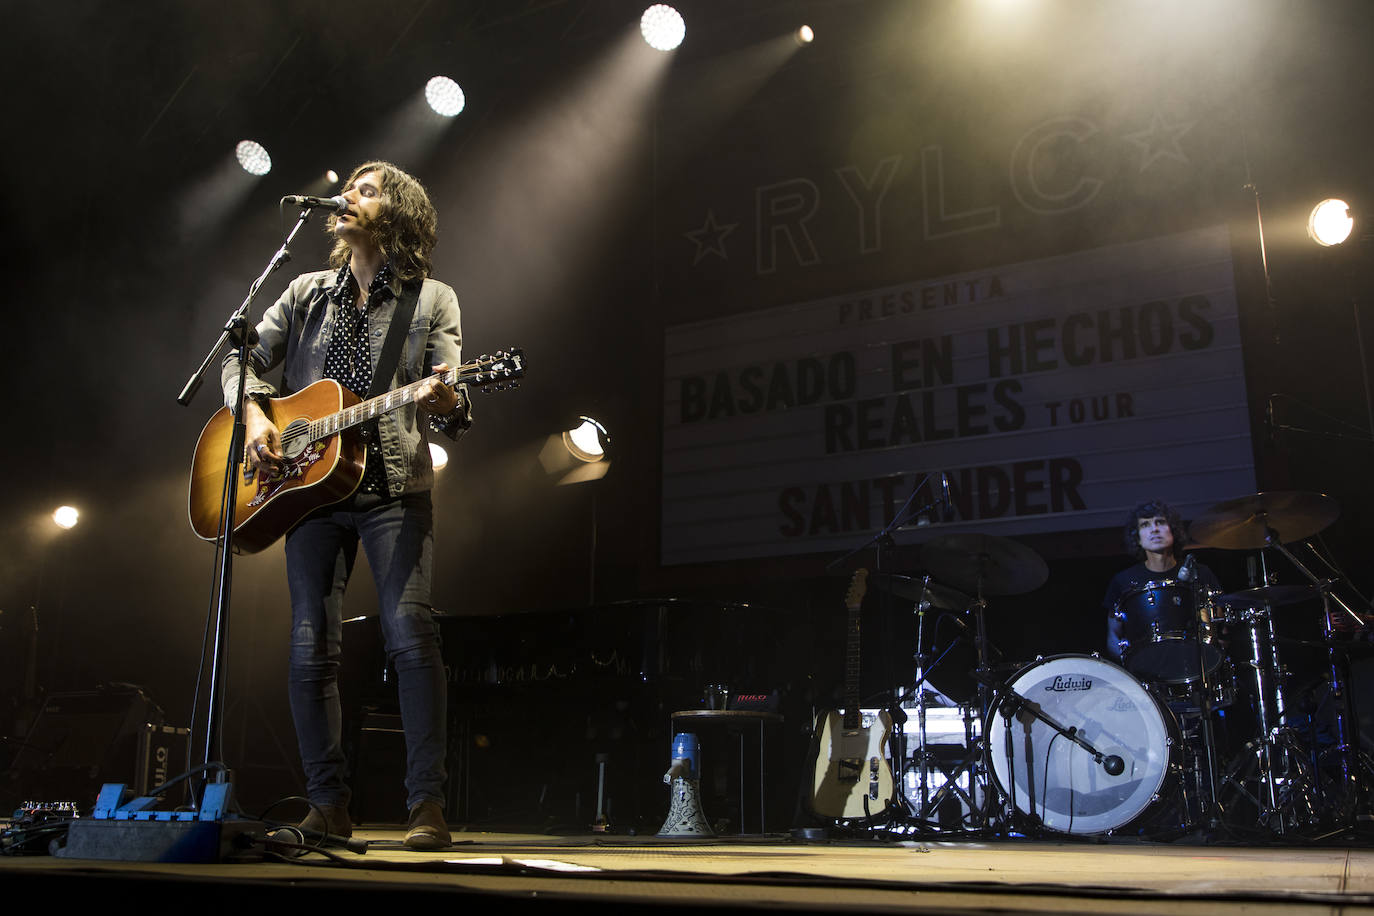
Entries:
{"x":398,"y":538}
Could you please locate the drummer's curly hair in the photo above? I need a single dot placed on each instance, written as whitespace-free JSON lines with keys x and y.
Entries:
{"x":1130,"y":532}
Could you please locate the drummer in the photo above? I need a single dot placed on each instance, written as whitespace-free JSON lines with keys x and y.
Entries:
{"x":1151,"y":532}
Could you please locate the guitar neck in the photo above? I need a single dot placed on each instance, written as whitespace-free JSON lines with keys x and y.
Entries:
{"x":372,"y":408}
{"x":852,"y":716}
{"x":853,"y":603}
{"x":500,"y":369}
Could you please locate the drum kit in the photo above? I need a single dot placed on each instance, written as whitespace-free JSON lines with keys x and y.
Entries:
{"x":1196,"y":733}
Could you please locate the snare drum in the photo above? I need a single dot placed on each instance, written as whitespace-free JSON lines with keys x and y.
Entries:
{"x":1048,"y":776}
{"x":1161,"y":620}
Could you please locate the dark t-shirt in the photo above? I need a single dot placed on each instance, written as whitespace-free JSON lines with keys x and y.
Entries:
{"x":1136,"y":577}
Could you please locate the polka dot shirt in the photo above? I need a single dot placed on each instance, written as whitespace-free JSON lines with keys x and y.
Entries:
{"x":349,"y":358}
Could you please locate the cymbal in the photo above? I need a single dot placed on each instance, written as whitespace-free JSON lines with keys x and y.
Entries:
{"x":985,"y":564}
{"x":1268,"y":594}
{"x":1244,"y":523}
{"x":910,"y":588}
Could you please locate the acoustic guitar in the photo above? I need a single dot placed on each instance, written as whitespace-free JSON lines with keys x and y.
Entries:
{"x":324,"y":449}
{"x":852,"y":778}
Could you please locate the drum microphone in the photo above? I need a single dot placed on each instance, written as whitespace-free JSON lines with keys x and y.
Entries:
{"x":1114,"y":765}
{"x":337,"y":204}
{"x":1187,"y":570}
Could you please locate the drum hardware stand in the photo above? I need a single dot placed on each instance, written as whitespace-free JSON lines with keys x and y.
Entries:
{"x":1354,"y":763}
{"x":1209,"y":807}
{"x":1347,"y":736}
{"x":883,"y":544}
{"x":1286,"y":797}
{"x":924,"y":759}
{"x":927,"y":806}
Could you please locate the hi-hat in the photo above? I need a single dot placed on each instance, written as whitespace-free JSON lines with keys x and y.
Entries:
{"x":1247,"y":523}
{"x":985,"y":564}
{"x":911,"y":588}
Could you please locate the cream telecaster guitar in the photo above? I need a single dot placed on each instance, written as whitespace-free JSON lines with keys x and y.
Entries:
{"x":852,"y":778}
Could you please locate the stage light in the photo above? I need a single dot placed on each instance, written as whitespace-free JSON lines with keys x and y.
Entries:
{"x":587,"y":441}
{"x":1330,"y":222}
{"x":444,"y":96}
{"x":253,"y":157}
{"x":438,"y":456}
{"x":662,"y":27}
{"x":66,"y":516}
{"x":331,"y":176}
{"x":805,"y":35}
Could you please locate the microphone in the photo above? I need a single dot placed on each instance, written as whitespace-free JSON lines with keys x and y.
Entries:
{"x":1188,"y":569}
{"x":1114,"y":765}
{"x":337,"y":204}
{"x":947,"y":511}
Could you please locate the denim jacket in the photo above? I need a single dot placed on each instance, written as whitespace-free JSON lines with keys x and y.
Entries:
{"x":296,"y":331}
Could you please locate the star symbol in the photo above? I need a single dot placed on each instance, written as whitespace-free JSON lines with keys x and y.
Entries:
{"x":1160,"y":139}
{"x":710,"y":238}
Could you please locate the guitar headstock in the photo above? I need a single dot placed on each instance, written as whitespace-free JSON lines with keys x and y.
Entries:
{"x":858,"y":587}
{"x":496,"y":372}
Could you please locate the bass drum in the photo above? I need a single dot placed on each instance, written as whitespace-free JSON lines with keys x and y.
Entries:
{"x":1049,"y":777}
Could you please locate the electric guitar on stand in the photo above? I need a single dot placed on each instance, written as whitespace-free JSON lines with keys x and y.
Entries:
{"x":852,"y":778}
{"x":325,"y":453}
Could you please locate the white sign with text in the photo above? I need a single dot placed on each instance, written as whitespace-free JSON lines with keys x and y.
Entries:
{"x":1054,"y":394}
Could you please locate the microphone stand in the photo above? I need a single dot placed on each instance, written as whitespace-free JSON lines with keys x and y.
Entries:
{"x":244,"y":337}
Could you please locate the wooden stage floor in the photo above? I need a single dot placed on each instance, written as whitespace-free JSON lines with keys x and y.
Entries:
{"x":522,"y":872}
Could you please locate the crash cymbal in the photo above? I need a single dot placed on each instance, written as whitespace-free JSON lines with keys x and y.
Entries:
{"x":1245,"y":523}
{"x":985,"y":564}
{"x":1269,"y":594}
{"x":911,"y":587}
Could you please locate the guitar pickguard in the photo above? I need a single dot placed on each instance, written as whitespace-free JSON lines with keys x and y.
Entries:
{"x":283,"y":476}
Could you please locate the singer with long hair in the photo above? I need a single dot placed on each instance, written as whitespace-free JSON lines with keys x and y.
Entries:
{"x":374,"y":321}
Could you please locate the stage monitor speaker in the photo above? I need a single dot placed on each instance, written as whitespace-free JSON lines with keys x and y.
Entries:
{"x":80,"y":741}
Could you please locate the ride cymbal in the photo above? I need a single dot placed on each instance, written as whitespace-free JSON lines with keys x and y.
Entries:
{"x":1245,"y":523}
{"x":985,"y":564}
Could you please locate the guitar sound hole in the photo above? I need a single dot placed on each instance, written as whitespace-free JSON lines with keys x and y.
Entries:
{"x":295,"y":438}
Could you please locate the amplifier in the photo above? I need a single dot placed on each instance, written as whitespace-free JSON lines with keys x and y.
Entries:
{"x":162,"y":751}
{"x":80,"y":741}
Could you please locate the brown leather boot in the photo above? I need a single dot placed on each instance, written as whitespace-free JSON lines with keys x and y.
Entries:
{"x":328,"y":819}
{"x":426,"y":828}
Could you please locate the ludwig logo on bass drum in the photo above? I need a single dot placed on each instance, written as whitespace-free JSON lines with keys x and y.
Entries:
{"x":1063,"y":684}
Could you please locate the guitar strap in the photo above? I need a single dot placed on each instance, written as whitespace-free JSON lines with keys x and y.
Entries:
{"x":385,"y":370}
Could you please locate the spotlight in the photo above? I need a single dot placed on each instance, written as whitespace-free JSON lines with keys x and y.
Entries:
{"x":577,"y":455}
{"x":438,"y":456}
{"x":1330,"y":222}
{"x":66,"y":516}
{"x":805,"y":35}
{"x":253,"y":157}
{"x":587,"y":442}
{"x":444,"y":96}
{"x":662,"y":27}
{"x":331,"y":176}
